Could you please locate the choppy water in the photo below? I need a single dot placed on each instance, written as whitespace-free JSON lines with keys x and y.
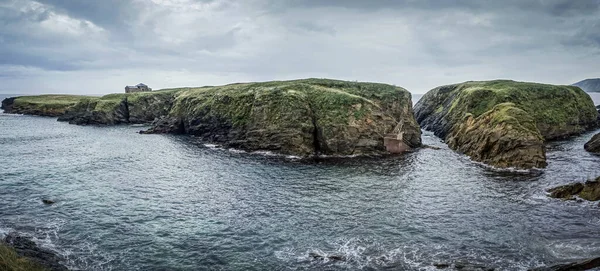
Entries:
{"x":156,"y":202}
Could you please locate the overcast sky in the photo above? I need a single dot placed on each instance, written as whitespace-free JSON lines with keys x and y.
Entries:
{"x":95,"y":47}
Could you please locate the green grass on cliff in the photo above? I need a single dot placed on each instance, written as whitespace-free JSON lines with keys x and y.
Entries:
{"x":48,"y":101}
{"x":10,"y":261}
{"x":556,"y":109}
{"x":237,"y":100}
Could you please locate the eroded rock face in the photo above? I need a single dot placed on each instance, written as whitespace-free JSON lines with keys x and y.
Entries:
{"x":133,"y":108}
{"x":502,"y":137}
{"x":302,"y":117}
{"x":589,"y":190}
{"x":593,"y":145}
{"x":467,"y":117}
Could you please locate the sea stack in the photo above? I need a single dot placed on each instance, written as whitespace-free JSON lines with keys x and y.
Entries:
{"x":505,"y":123}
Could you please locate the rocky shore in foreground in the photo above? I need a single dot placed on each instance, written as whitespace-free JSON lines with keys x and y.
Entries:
{"x":18,"y":252}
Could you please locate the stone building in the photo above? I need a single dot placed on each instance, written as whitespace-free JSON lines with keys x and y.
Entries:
{"x":141,"y":87}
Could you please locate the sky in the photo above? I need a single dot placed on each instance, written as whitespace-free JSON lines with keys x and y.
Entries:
{"x":98,"y":47}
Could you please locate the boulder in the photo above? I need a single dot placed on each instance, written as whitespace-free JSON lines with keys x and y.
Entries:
{"x":594,"y":144}
{"x":565,"y":191}
{"x":589,"y":190}
{"x":505,"y":119}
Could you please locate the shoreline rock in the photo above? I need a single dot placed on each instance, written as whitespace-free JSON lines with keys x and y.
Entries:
{"x":505,"y":123}
{"x":593,"y":145}
{"x":25,"y":247}
{"x":589,"y":191}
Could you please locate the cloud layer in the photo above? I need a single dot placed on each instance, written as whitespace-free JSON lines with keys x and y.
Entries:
{"x":95,"y":47}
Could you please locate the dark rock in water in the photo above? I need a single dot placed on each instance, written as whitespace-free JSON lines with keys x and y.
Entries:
{"x":565,"y":191}
{"x":333,"y":257}
{"x":27,"y":248}
{"x":47,"y":201}
{"x":441,"y":265}
{"x":589,"y":190}
{"x":467,"y":266}
{"x":594,"y":144}
{"x":431,"y":147}
{"x":574,"y":266}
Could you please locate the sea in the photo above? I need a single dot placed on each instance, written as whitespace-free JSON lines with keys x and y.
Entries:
{"x":126,"y":201}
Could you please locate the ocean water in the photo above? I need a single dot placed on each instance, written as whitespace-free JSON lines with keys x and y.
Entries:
{"x":127,"y":201}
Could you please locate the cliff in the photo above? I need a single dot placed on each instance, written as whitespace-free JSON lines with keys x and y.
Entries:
{"x":299,"y":117}
{"x":40,"y":105}
{"x":505,"y":123}
{"x":589,"y":85}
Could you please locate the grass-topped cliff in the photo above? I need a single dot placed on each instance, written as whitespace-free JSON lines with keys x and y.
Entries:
{"x":41,"y":105}
{"x":298,"y":117}
{"x":528,"y":111}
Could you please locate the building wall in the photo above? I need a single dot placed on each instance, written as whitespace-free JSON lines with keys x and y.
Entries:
{"x":135,"y":89}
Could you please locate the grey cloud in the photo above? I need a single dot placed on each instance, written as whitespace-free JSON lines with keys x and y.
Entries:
{"x":413,"y":43}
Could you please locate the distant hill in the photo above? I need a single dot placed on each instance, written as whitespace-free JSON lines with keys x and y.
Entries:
{"x":589,"y":85}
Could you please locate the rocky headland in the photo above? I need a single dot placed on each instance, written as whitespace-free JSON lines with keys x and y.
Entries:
{"x":300,"y":117}
{"x":40,"y":105}
{"x":505,"y":123}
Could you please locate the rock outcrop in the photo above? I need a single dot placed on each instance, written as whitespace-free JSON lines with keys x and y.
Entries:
{"x":505,"y":123}
{"x":133,"y":108}
{"x":593,"y":145}
{"x":589,"y":190}
{"x":301,"y":117}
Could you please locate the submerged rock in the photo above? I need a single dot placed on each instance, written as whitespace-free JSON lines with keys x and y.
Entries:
{"x":594,"y":144}
{"x":47,"y":201}
{"x":505,"y":123}
{"x":586,"y":264}
{"x":323,"y":256}
{"x":25,"y":247}
{"x":589,"y":190}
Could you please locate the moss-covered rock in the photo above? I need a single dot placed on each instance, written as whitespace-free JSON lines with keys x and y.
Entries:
{"x":40,"y":105}
{"x":467,"y":117}
{"x":505,"y":136}
{"x":300,"y":117}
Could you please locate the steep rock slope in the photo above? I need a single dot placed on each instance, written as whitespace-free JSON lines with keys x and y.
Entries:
{"x":300,"y":117}
{"x":505,"y":119}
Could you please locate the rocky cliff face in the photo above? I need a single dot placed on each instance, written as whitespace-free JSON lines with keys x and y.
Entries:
{"x":505,"y":136}
{"x":302,"y":117}
{"x":505,"y":119}
{"x":141,"y":107}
